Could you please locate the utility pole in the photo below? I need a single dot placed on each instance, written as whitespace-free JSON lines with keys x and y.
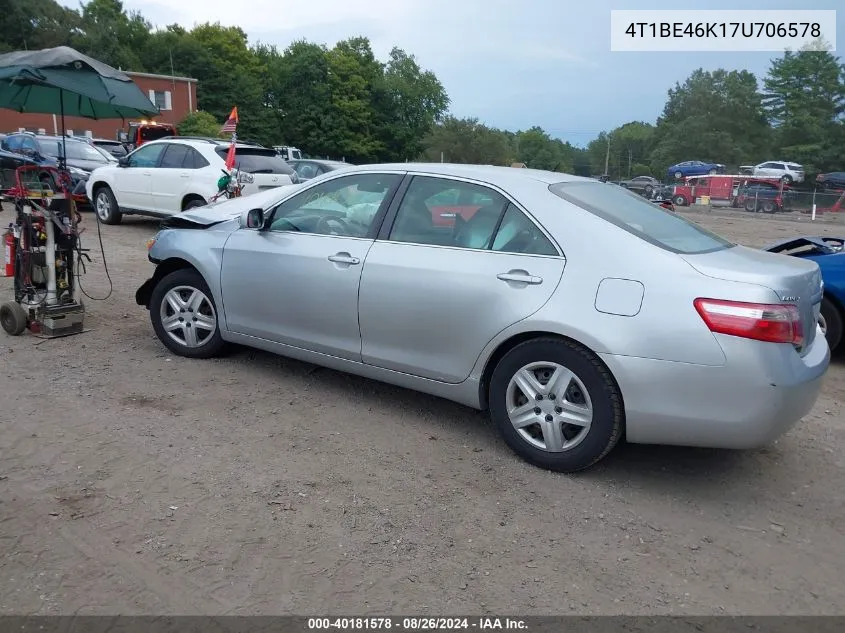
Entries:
{"x":629,"y":162}
{"x":607,"y":155}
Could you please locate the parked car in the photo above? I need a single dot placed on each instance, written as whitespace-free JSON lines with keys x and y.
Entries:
{"x":115,"y":148}
{"x":516,"y":310}
{"x":693,"y":168}
{"x":829,"y":254}
{"x":834,"y":180}
{"x":170,"y":175}
{"x":644,"y":185}
{"x":9,"y":163}
{"x":45,"y":150}
{"x":309,"y":168}
{"x":788,"y":172}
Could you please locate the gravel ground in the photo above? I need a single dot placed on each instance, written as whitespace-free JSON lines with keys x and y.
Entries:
{"x":136,"y":482}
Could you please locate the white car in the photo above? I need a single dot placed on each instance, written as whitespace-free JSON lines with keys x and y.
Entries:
{"x":167,"y":176}
{"x":788,"y":172}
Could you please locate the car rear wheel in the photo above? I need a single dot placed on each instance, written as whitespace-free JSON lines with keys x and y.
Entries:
{"x":769,"y":207}
{"x":556,"y":405}
{"x":184,"y":316}
{"x":679,"y":201}
{"x":830,"y":321}
{"x":751,"y":205}
{"x":787,"y":179}
{"x":714,"y":171}
{"x":105,"y":206}
{"x":678,"y":175}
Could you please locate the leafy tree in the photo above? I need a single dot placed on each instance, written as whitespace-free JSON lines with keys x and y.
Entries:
{"x":538,"y":150}
{"x":199,"y":123}
{"x":414,"y":100}
{"x":106,"y":32}
{"x":805,"y":100}
{"x":468,"y":141}
{"x":34,"y":24}
{"x":714,"y":116}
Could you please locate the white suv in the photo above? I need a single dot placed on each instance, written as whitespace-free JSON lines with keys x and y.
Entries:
{"x":788,"y":172}
{"x":168,"y":176}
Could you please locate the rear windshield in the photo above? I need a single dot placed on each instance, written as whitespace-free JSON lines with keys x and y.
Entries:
{"x":644,"y":219}
{"x":76,"y":150}
{"x":154,"y":133}
{"x":257,"y":160}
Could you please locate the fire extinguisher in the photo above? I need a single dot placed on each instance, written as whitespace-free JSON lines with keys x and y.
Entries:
{"x":10,"y":252}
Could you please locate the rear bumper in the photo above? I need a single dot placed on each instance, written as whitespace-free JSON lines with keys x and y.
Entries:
{"x":759,"y":394}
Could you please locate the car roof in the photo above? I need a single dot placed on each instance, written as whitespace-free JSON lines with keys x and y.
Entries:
{"x":476,"y":172}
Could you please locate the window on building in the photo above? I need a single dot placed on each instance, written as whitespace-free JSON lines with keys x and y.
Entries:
{"x":162,"y":99}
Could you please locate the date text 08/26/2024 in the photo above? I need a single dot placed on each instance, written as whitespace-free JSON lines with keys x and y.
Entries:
{"x":415,"y":623}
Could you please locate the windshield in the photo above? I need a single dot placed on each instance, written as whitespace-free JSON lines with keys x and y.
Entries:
{"x":257,"y":160}
{"x":76,"y":150}
{"x":644,"y":219}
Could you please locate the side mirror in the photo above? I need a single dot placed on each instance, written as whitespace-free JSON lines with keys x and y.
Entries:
{"x":254,"y":219}
{"x":123,"y":161}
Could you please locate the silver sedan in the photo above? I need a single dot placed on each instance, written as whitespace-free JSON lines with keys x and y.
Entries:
{"x":575,"y":311}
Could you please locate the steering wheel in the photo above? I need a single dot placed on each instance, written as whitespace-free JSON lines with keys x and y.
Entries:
{"x":332,"y":226}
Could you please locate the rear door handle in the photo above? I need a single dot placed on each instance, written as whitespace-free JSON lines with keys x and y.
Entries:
{"x":520,"y":277}
{"x":184,"y":175}
{"x":344,"y":258}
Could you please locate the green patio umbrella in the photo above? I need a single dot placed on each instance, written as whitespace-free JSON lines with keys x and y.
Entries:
{"x":63,"y":81}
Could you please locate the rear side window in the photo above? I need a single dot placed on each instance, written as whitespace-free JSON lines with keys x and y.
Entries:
{"x":640,"y":217}
{"x":257,"y":161}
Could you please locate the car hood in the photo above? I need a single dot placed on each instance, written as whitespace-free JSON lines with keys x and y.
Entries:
{"x":218,"y":212}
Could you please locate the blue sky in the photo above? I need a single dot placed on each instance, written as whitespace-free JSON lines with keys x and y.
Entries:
{"x":511,"y":64}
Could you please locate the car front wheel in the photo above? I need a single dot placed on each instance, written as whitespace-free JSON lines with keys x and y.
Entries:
{"x":184,"y":315}
{"x":105,"y":206}
{"x":556,"y":405}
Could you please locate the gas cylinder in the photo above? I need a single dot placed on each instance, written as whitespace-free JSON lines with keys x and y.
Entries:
{"x":9,"y":243}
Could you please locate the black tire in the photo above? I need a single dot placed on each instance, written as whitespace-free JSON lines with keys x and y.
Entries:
{"x":13,"y":318}
{"x":713,"y":172}
{"x":768,"y":207}
{"x":750,"y":205}
{"x":608,"y":419}
{"x":194,"y":203}
{"x":787,"y":179}
{"x":833,"y":320}
{"x":109,"y":212}
{"x":648,"y":191}
{"x":679,"y":201}
{"x":678,"y":175}
{"x":209,"y":347}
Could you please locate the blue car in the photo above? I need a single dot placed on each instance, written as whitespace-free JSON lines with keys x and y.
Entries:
{"x":829,"y":254}
{"x":693,"y":168}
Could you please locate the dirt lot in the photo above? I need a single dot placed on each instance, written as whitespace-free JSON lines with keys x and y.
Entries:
{"x":133,"y":481}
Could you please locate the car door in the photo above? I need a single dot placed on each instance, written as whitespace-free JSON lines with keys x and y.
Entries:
{"x":133,"y":183}
{"x":432,"y":297}
{"x":171,"y":178}
{"x":296,"y":280}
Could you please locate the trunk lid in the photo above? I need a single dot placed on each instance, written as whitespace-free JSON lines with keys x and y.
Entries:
{"x":792,"y":279}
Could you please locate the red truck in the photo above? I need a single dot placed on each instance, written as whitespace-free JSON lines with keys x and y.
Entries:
{"x":727,"y":189}
{"x":140,"y":132}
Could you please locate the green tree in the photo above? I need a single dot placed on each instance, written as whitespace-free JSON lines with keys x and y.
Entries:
{"x":468,"y":141}
{"x":199,"y":123}
{"x":714,"y":116}
{"x":805,"y":101}
{"x":538,"y":150}
{"x":34,"y":24}
{"x":412,"y":102}
{"x":107,"y":33}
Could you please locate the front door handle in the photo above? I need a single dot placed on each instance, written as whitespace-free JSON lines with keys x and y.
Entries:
{"x":520,"y":277}
{"x":344,"y":258}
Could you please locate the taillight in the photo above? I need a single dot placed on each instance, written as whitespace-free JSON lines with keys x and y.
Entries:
{"x":773,"y":323}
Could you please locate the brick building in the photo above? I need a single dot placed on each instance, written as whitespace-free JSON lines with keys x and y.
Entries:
{"x":175,"y":96}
